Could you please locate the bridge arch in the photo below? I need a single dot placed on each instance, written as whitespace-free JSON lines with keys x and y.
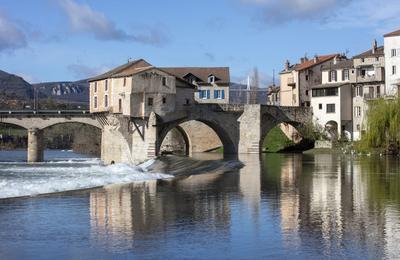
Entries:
{"x":175,"y":140}
{"x":229,"y":145}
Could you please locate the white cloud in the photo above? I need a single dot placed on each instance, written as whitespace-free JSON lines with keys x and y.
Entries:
{"x":82,"y":18}
{"x":11,"y":37}
{"x":81,"y":71}
{"x":373,"y":14}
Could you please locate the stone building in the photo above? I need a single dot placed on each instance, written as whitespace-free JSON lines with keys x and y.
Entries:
{"x":392,"y":62}
{"x":368,"y":84}
{"x":137,"y":88}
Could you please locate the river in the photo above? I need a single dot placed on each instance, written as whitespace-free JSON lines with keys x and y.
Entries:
{"x":291,"y":206}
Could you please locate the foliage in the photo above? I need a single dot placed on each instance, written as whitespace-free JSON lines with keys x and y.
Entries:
{"x":382,"y":127}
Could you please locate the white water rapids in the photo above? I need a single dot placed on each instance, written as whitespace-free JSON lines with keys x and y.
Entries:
{"x":22,"y":179}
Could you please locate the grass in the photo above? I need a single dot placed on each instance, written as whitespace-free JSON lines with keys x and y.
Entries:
{"x":276,"y":140}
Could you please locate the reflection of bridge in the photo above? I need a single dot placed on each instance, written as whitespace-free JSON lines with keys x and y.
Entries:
{"x":241,"y":128}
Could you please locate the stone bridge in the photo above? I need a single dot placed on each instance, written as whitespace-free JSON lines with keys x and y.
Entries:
{"x":36,"y":121}
{"x":241,"y":128}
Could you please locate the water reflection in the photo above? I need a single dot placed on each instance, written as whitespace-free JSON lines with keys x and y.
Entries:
{"x":323,"y":204}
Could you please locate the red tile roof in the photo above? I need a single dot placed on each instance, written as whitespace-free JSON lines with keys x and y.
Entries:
{"x":395,"y":33}
{"x":311,"y":62}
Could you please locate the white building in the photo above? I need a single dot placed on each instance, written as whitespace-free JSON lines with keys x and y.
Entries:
{"x":331,"y":100}
{"x":392,"y":62}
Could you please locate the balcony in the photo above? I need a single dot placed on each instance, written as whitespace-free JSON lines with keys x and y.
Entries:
{"x":369,"y":96}
{"x":367,"y":78}
{"x":291,"y":82}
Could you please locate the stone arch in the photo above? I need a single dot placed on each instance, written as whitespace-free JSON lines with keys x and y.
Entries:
{"x":228,"y":144}
{"x":185,"y":137}
{"x":287,"y":125}
{"x":13,"y":124}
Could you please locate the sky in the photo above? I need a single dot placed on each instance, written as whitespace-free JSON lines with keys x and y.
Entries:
{"x":63,"y":40}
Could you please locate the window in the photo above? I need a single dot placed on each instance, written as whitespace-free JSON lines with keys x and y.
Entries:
{"x":106,"y":85}
{"x":358,"y":127}
{"x":95,"y":102}
{"x":119,"y":105}
{"x":377,"y":58}
{"x":324,"y":92}
{"x":378,"y":91}
{"x":362,"y":59}
{"x":105,"y":100}
{"x":204,"y":94}
{"x":150,"y":101}
{"x":211,"y":79}
{"x":393,"y":52}
{"x":359,"y":91}
{"x":95,"y":87}
{"x":307,"y":77}
{"x":219,"y":94}
{"x":330,"y":108}
{"x":332,"y":75}
{"x":187,"y":102}
{"x":345,"y":74}
{"x":164,"y":100}
{"x":320,"y":106}
{"x":357,"y":111}
{"x":164,"y":81}
{"x":306,"y":92}
{"x":393,"y":70}
{"x":124,"y":82}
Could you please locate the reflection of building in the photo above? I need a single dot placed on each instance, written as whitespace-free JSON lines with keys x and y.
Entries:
{"x":112,"y":215}
{"x":289,"y":199}
{"x":250,"y":181}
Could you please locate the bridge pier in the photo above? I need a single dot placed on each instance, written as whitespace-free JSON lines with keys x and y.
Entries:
{"x":35,"y":145}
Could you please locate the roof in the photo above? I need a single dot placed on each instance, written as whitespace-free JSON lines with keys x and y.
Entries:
{"x":342,"y":64}
{"x":391,"y":34}
{"x":330,"y":85}
{"x":221,"y":73}
{"x":378,"y":52}
{"x":311,"y":62}
{"x":130,"y":66}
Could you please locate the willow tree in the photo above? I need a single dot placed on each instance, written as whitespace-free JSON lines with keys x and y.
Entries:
{"x":382,"y":127}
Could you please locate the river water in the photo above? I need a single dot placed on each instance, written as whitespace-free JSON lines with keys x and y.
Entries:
{"x":291,"y":206}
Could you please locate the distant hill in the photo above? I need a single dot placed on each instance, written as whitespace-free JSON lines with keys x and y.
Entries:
{"x":65,"y":91}
{"x":15,"y":92}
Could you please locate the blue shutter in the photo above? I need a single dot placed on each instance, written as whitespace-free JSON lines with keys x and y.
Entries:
{"x":215,"y":94}
{"x":200,"y":94}
{"x":208,"y":93}
{"x":223,"y":94}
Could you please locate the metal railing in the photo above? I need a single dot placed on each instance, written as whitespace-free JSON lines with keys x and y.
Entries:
{"x":44,"y":112}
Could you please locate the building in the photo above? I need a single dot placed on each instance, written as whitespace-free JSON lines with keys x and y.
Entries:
{"x":273,"y":95}
{"x":392,"y":62}
{"x":297,"y":80}
{"x":137,"y":88}
{"x":212,"y":83}
{"x":368,"y":84}
{"x":331,"y":101}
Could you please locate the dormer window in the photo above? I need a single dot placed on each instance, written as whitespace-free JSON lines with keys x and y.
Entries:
{"x":211,"y":79}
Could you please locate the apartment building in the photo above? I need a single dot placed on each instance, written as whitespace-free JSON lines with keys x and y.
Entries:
{"x":392,"y":62}
{"x":331,"y":101}
{"x":369,"y":84}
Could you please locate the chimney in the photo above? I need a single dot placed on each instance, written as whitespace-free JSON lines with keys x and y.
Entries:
{"x":315,"y":58}
{"x":374,"y":46}
{"x":287,"y":65}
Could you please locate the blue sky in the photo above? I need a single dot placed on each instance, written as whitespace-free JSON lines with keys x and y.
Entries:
{"x":54,"y":40}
